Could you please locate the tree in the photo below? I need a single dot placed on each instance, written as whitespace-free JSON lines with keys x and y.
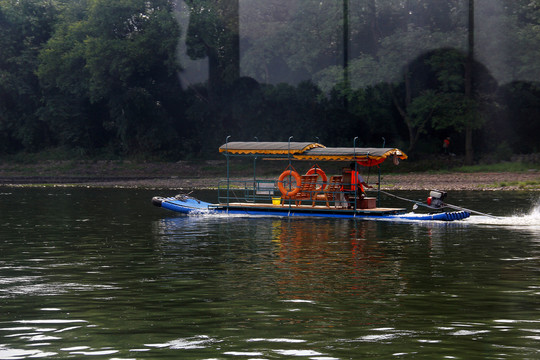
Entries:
{"x":289,"y":40}
{"x":213,"y":32}
{"x":111,"y":67}
{"x":397,"y":52}
{"x":24,"y":26}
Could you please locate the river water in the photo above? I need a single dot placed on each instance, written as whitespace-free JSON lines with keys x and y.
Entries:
{"x":102,"y":274}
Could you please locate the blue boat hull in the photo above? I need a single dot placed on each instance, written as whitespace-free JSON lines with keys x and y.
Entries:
{"x":187,"y":205}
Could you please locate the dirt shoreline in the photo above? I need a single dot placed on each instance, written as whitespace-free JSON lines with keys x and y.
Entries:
{"x":412,"y":181}
{"x":189,"y":175}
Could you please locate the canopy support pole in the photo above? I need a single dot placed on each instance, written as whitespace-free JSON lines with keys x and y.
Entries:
{"x":379,"y":179}
{"x":255,"y":185}
{"x":290,"y":167}
{"x":289,"y":150}
{"x":228,"y":177}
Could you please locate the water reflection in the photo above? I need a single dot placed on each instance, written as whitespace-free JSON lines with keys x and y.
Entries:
{"x":310,"y":255}
{"x":122,"y":286}
{"x":368,"y":270}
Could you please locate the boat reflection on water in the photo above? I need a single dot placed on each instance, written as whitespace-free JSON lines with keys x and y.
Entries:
{"x":304,"y":259}
{"x":333,"y":259}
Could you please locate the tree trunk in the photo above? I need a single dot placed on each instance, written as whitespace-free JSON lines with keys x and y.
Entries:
{"x":231,"y":61}
{"x":403,"y":109}
{"x":469,"y":91}
{"x":374,"y":27}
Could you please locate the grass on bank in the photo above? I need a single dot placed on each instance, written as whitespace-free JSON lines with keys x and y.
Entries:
{"x":499,"y":167}
{"x":523,"y":185}
{"x":61,"y":162}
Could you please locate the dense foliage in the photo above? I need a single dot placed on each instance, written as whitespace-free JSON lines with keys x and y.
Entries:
{"x":98,"y":76}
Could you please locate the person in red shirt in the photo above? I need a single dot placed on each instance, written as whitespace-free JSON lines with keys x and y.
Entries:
{"x":357,"y":180}
{"x":446,"y":145}
{"x":353,"y":185}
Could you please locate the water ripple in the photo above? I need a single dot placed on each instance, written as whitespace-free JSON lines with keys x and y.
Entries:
{"x":278,"y":340}
{"x":196,"y":342}
{"x":12,"y":354}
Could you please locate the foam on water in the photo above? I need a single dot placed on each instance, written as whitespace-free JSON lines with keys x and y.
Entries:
{"x":528,"y":220}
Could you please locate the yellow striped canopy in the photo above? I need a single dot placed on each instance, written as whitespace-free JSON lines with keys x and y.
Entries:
{"x":266,"y":148}
{"x":311,"y":151}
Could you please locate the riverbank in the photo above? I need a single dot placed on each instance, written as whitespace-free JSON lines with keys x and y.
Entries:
{"x":185,"y":175}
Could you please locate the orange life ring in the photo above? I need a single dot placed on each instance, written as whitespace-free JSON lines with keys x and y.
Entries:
{"x":321,"y":173}
{"x":297,"y":178}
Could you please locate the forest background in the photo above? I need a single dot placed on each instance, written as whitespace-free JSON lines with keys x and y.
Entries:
{"x":169,"y":80}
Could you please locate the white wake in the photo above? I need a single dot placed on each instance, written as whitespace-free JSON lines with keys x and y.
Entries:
{"x":529,"y":219}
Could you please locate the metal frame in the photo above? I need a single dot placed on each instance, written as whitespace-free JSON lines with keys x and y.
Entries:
{"x":289,"y":159}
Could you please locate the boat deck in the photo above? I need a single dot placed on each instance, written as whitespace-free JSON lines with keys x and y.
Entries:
{"x":306,"y":208}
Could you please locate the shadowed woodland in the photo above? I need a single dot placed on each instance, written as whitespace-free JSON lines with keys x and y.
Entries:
{"x":166,"y":79}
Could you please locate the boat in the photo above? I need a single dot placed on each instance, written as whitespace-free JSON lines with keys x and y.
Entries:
{"x":313,"y":194}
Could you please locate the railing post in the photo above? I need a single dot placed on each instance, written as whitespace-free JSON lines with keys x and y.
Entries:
{"x":379,"y":178}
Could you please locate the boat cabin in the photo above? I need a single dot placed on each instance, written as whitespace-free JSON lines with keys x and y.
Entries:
{"x":312,"y":191}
